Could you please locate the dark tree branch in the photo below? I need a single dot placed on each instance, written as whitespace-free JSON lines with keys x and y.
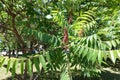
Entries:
{"x":3,"y":25}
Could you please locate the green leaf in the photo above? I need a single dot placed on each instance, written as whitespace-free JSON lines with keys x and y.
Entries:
{"x":85,"y":52}
{"x":14,"y":67}
{"x":112,"y":57}
{"x":91,"y":41}
{"x":113,"y":43}
{"x":117,"y":41}
{"x":81,"y":51}
{"x":22,"y":65}
{"x":100,"y":57}
{"x":118,"y":53}
{"x":88,"y":41}
{"x":77,"y":49}
{"x":43,"y":62}
{"x":48,"y":58}
{"x":55,"y":43}
{"x":29,"y":66}
{"x":64,"y":76}
{"x":2,"y":62}
{"x":37,"y":63}
{"x":94,"y":57}
{"x":109,"y":44}
{"x":8,"y":65}
{"x":90,"y":54}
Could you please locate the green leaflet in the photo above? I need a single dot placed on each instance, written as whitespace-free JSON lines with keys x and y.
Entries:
{"x":29,"y":66}
{"x":81,"y":51}
{"x":85,"y":18}
{"x":8,"y":65}
{"x":112,"y":56}
{"x":22,"y":65}
{"x":89,"y":16}
{"x":64,"y":76}
{"x":77,"y":49}
{"x":2,"y":62}
{"x":91,"y":41}
{"x":40,"y":36}
{"x":85,"y":21}
{"x":55,"y":43}
{"x":88,"y":41}
{"x":113,"y":43}
{"x":94,"y":56}
{"x":43,"y":62}
{"x":100,"y":57}
{"x":118,"y":53}
{"x":95,"y":41}
{"x":115,"y":52}
{"x":37,"y":63}
{"x":85,"y":52}
{"x":44,"y":37}
{"x":15,"y":64}
{"x":48,"y":58}
{"x":0,"y":59}
{"x":104,"y":55}
{"x":109,"y":43}
{"x":52,"y":39}
{"x":117,"y":41}
{"x":90,"y":55}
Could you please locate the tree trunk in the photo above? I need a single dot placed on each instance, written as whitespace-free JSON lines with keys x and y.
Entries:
{"x":19,"y":38}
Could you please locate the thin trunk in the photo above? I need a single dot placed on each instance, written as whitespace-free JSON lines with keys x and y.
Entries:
{"x":9,"y":53}
{"x":19,"y":38}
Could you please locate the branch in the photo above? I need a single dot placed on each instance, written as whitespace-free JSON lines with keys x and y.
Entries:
{"x":2,"y":25}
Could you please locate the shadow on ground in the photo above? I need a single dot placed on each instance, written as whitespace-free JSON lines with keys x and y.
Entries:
{"x":106,"y":75}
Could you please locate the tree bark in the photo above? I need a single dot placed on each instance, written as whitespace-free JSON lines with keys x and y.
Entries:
{"x":19,"y":38}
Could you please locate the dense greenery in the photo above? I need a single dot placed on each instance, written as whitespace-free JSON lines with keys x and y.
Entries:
{"x":77,"y":35}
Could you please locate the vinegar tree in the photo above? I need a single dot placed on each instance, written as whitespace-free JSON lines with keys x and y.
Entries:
{"x":77,"y":35}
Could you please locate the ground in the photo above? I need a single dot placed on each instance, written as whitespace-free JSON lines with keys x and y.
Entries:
{"x":107,"y":74}
{"x":4,"y":74}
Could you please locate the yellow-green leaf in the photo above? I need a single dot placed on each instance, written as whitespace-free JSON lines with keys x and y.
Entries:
{"x":112,"y":57}
{"x":2,"y":62}
{"x":42,"y":60}
{"x":8,"y":65}
{"x":29,"y":66}
{"x":14,"y":67}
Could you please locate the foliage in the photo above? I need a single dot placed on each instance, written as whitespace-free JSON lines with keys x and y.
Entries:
{"x":93,"y":28}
